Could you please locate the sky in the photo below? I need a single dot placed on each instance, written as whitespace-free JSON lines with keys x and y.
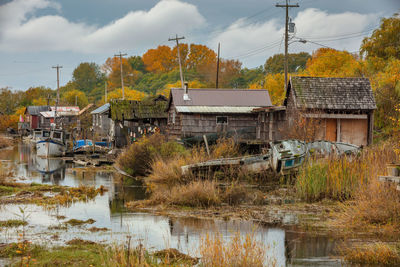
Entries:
{"x":38,"y":34}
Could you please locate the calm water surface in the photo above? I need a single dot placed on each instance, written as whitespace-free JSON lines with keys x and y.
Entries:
{"x":289,"y":248}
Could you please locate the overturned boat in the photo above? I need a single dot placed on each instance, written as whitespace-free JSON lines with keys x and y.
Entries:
{"x":87,"y":146}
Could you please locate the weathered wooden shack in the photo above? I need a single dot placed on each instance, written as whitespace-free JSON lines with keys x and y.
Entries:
{"x":197,"y":112}
{"x":32,"y":116}
{"x":67,"y":117}
{"x":134,"y":119}
{"x":340,"y":110}
{"x":101,"y":120}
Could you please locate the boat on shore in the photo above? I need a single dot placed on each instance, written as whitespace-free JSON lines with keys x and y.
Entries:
{"x":53,"y":144}
{"x":87,"y":146}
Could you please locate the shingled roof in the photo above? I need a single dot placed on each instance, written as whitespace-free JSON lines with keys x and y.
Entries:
{"x":35,"y":110}
{"x":150,"y":108}
{"x":331,"y":93}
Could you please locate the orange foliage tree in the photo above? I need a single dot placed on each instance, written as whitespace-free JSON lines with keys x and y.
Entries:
{"x":113,"y":68}
{"x":159,"y":59}
{"x":275,"y":84}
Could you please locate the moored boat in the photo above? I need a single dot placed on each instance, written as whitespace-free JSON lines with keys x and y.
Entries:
{"x":53,"y":145}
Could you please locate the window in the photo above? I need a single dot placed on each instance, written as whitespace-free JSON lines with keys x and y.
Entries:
{"x":173,"y":117}
{"x":222,"y":120}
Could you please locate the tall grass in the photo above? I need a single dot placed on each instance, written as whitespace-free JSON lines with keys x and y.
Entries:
{"x":379,"y":254}
{"x":240,"y":251}
{"x":341,"y":178}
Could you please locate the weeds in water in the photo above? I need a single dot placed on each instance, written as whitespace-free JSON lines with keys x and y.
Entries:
{"x":240,"y":251}
{"x":12,"y":223}
{"x":373,"y":254}
{"x":75,"y":222}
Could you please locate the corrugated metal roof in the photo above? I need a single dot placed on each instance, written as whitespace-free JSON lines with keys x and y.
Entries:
{"x":35,"y":110}
{"x":101,"y":109}
{"x":222,"y":97}
{"x":213,"y":109}
{"x":50,"y":114}
{"x":65,"y":109}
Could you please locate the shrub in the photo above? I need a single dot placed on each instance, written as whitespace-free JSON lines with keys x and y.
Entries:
{"x":235,"y":194}
{"x":138,"y":157}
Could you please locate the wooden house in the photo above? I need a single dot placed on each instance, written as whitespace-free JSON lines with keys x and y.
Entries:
{"x":193,"y":113}
{"x":32,"y":116}
{"x":339,"y":110}
{"x":67,"y":117}
{"x":134,"y":119}
{"x":101,"y":121}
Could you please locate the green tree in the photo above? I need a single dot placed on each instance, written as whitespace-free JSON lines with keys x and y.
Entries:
{"x":296,"y":62}
{"x":137,"y":63}
{"x":385,"y":41}
{"x":86,"y":76}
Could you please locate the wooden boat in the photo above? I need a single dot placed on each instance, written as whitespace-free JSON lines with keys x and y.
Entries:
{"x":53,"y":144}
{"x":287,"y":155}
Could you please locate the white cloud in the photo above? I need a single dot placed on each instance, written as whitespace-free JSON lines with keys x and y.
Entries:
{"x":22,"y":31}
{"x":254,"y":43}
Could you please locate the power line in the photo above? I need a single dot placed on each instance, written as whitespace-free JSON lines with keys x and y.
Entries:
{"x":120,"y":55}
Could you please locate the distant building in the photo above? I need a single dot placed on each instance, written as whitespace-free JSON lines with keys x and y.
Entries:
{"x":193,"y":113}
{"x":67,"y":117}
{"x":32,"y":115}
{"x":101,"y":119}
{"x":134,"y":119}
{"x":342,"y":109}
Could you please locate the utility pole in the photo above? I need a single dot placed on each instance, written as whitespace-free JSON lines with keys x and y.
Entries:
{"x":287,"y":5}
{"x":105,"y":91}
{"x":120,"y":55}
{"x":58,"y":67}
{"x":216,"y":82}
{"x":179,"y":55}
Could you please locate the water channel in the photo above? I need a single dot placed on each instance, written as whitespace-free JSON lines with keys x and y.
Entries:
{"x":287,"y":246}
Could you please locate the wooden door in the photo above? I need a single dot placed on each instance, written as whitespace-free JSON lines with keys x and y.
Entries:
{"x":331,"y":130}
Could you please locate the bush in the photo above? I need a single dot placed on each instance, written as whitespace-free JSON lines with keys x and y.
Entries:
{"x":373,"y":254}
{"x":139,"y":156}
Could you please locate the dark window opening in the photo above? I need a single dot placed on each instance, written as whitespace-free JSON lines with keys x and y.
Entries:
{"x":222,"y":120}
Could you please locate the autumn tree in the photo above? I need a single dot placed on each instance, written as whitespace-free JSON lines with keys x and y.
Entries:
{"x":74,"y":97}
{"x":159,"y":59}
{"x":113,"y":69}
{"x":130,"y":94}
{"x":328,"y":62}
{"x":296,"y":62}
{"x":87,"y":76}
{"x":275,"y":84}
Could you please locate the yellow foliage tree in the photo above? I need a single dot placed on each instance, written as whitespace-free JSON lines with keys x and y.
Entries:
{"x":328,"y":62}
{"x":275,"y":84}
{"x":192,"y":84}
{"x":41,"y":101}
{"x":69,"y":98}
{"x":130,"y":94}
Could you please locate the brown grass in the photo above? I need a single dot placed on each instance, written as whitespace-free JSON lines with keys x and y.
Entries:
{"x":379,"y":254}
{"x":5,"y":142}
{"x":239,"y":251}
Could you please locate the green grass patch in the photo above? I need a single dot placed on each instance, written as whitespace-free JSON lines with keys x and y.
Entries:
{"x":12,"y":223}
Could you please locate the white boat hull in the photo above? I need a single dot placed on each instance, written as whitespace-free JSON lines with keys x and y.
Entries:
{"x":49,"y":148}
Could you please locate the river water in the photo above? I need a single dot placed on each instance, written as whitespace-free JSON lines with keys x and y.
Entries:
{"x":287,"y":246}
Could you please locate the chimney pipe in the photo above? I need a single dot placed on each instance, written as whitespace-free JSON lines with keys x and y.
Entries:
{"x":186,"y":92}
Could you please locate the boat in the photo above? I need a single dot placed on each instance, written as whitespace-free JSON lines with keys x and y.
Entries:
{"x":287,"y":155}
{"x":86,"y":146}
{"x":52,"y":144}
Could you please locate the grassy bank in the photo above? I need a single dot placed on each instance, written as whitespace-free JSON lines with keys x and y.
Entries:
{"x":240,"y":251}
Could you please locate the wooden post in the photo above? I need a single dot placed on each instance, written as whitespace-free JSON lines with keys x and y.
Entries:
{"x":206,"y":142}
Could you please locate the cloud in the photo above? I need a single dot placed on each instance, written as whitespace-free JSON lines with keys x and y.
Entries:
{"x":22,"y":31}
{"x":250,"y":42}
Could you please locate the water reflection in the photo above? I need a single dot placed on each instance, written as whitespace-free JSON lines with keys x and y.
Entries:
{"x":157,"y":232}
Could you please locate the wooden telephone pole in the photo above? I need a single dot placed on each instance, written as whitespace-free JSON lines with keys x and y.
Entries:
{"x":120,"y":55}
{"x":179,"y":55}
{"x":58,"y":67}
{"x":286,"y":6}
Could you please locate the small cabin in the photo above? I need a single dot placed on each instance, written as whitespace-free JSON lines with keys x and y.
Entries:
{"x":67,"y":117}
{"x":32,"y":116}
{"x":332,"y":109}
{"x":193,"y":113}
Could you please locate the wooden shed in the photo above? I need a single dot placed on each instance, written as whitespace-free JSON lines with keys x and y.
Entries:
{"x":343,"y":107}
{"x":32,"y":115}
{"x":198,"y":112}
